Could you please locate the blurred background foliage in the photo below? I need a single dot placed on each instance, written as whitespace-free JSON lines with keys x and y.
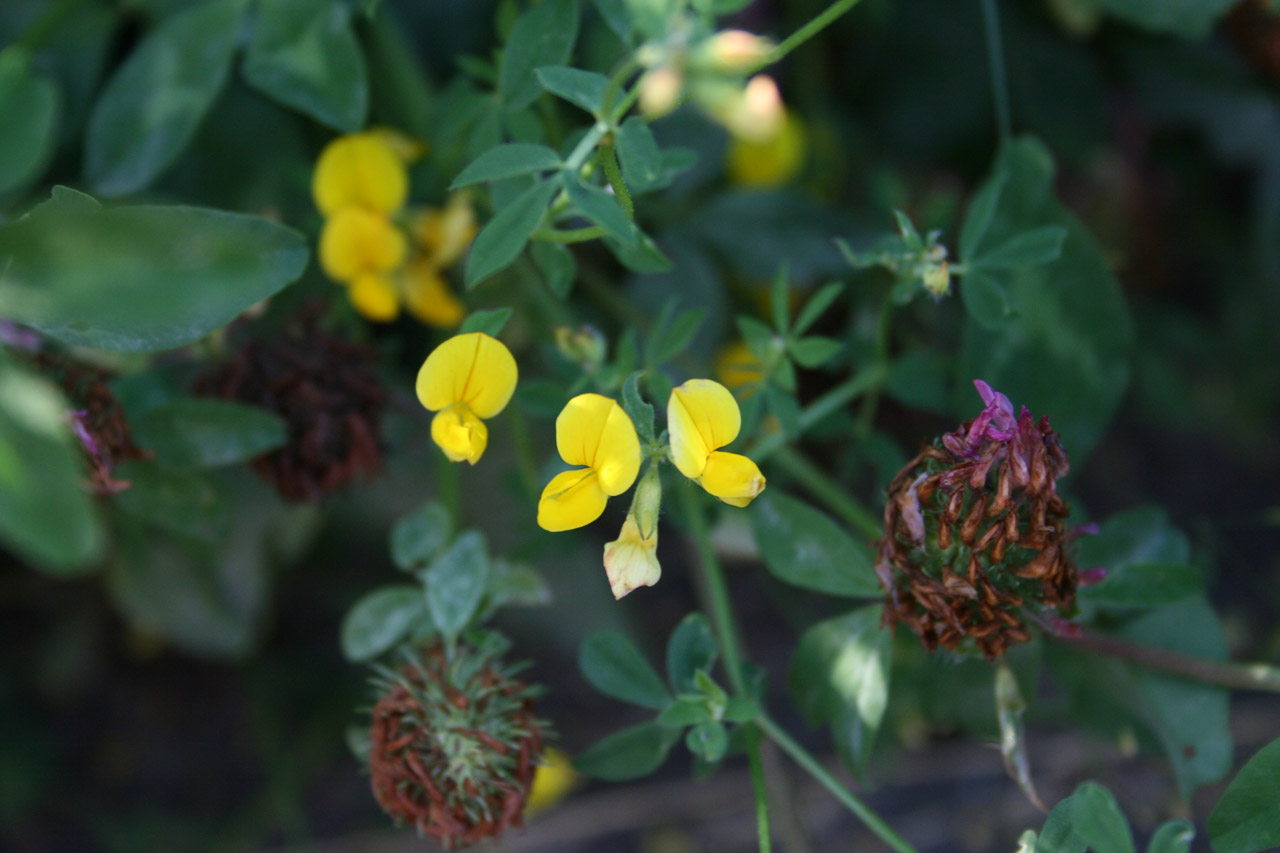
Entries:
{"x":174,"y":678}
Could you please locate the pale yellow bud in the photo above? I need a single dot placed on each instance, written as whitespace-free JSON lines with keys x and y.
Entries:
{"x":631,"y":560}
{"x":736,"y":51}
{"x":660,"y":92}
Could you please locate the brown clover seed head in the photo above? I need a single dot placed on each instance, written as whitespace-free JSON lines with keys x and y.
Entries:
{"x":454,"y":745}
{"x":327,"y":390}
{"x":975,"y":533}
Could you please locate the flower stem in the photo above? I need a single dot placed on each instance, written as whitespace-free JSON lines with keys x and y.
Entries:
{"x":821,"y":486}
{"x":1229,"y":674}
{"x":816,"y":25}
{"x":814,"y":768}
{"x":995,"y":59}
{"x":758,"y":788}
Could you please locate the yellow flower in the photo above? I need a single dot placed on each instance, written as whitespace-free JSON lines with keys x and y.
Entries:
{"x":444,"y":235}
{"x":739,"y":370}
{"x":771,"y":161}
{"x":592,"y":431}
{"x":428,"y":296}
{"x":355,"y":243}
{"x":552,"y":782}
{"x":702,"y":417}
{"x":359,"y":170}
{"x":631,"y":560}
{"x":466,"y":379}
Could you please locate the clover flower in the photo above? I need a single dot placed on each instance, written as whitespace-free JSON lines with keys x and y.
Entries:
{"x":466,"y":380}
{"x":702,"y":417}
{"x":592,"y":431}
{"x":975,"y":538}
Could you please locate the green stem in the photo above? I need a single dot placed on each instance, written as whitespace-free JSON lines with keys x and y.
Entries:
{"x":609,"y":162}
{"x":818,"y":483}
{"x":995,"y":59}
{"x":585,"y":146}
{"x":759,"y":790}
{"x":808,"y":31}
{"x":867,"y":379}
{"x":846,"y":797}
{"x":627,"y":68}
{"x":1235,"y":676}
{"x":575,"y":235}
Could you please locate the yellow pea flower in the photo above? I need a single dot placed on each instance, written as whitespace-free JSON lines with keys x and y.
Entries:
{"x":552,"y":781}
{"x":702,"y":417}
{"x":359,"y":170}
{"x":738,"y":369}
{"x":592,"y":431}
{"x":428,"y":296}
{"x":355,"y":242}
{"x":444,"y":235}
{"x":465,"y":380}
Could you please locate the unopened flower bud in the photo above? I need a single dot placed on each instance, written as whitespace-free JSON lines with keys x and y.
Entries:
{"x":736,"y":51}
{"x":584,"y":346}
{"x":660,"y":91}
{"x":631,"y":560}
{"x":757,"y":114}
{"x":937,"y":279}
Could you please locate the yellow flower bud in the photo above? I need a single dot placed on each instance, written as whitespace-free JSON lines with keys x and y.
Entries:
{"x":937,"y":279}
{"x":736,"y":51}
{"x":359,"y":170}
{"x":631,"y":560}
{"x":757,"y":113}
{"x":592,"y":431}
{"x":444,"y":235}
{"x":660,"y":91}
{"x":465,"y":379}
{"x":768,"y":162}
{"x":356,"y":242}
{"x":702,"y":417}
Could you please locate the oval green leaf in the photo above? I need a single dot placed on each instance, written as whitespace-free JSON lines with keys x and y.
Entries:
{"x":628,"y":754}
{"x":801,"y":546}
{"x":615,"y":667}
{"x":381,"y":619}
{"x":205,"y":433}
{"x":1247,"y":818}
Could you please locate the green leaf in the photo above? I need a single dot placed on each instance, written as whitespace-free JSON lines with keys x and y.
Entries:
{"x":45,"y":516}
{"x":544,"y":35}
{"x":1247,"y":818}
{"x":740,"y":709}
{"x":30,"y":103}
{"x":515,"y":584}
{"x":638,"y":409}
{"x":910,"y":237}
{"x":1059,"y":835}
{"x":205,"y":433}
{"x":686,"y":711}
{"x":1065,"y":349}
{"x":1139,"y":535}
{"x":692,"y":647}
{"x":419,"y":536}
{"x":780,"y":301}
{"x":669,"y":341}
{"x":801,"y":546}
{"x":507,"y":161}
{"x":839,"y":675}
{"x":759,"y":338}
{"x":601,"y":208}
{"x":1098,"y":820}
{"x":814,"y":351}
{"x":616,"y":15}
{"x":644,"y":257}
{"x":456,"y":582}
{"x":179,"y":500}
{"x":140,"y":278}
{"x":1037,"y":246}
{"x":491,"y":322}
{"x":985,"y":299}
{"x":154,"y":102}
{"x":980,"y":212}
{"x":628,"y":754}
{"x":584,"y":88}
{"x":501,"y":240}
{"x":1189,"y":18}
{"x":641,"y":159}
{"x":817,"y":304}
{"x":1145,"y":585}
{"x":557,"y":265}
{"x":1174,"y":836}
{"x":707,"y":740}
{"x":615,"y":667}
{"x":305,"y":55}
{"x":381,"y":619}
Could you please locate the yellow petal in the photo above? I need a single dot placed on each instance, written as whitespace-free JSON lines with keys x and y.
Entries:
{"x":631,"y":561}
{"x":355,"y":242}
{"x":459,"y":433}
{"x":572,"y":499}
{"x":552,"y":781}
{"x":474,"y":369}
{"x":375,"y":297}
{"x":732,"y":478}
{"x":593,"y":430}
{"x":404,"y":146}
{"x":769,"y":162}
{"x":359,"y":170}
{"x":445,"y":234}
{"x":702,"y":416}
{"x":428,"y":297}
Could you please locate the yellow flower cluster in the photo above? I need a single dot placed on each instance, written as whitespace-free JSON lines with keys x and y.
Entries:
{"x":387,"y":257}
{"x":470,"y":378}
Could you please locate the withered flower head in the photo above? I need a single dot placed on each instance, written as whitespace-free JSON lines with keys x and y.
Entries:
{"x":975,"y":533}
{"x":97,"y":420}
{"x":327,"y":390}
{"x":454,"y":744}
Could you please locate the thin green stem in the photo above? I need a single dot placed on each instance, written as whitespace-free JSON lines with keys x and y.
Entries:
{"x":1229,"y":674}
{"x":609,"y":162}
{"x":585,"y":146}
{"x":808,"y":31}
{"x":836,"y":498}
{"x":759,"y":790}
{"x":832,"y":401}
{"x":846,"y":797}
{"x":995,"y":60}
{"x":574,"y":235}
{"x":628,"y":67}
